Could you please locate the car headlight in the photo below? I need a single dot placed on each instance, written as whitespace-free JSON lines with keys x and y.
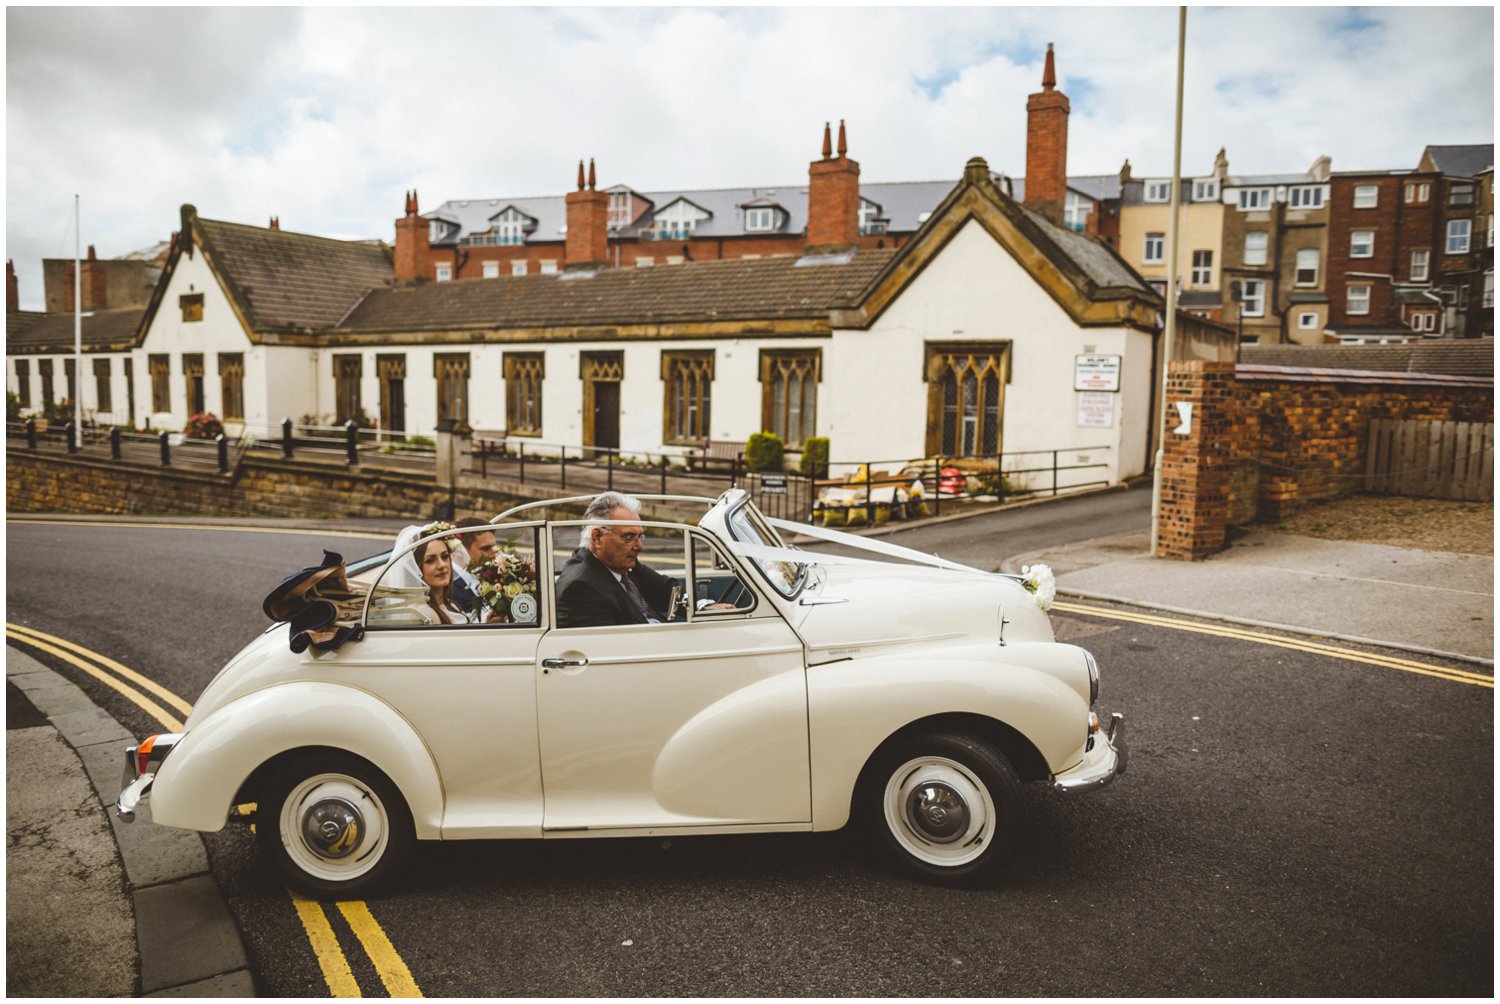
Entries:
{"x":1088,"y":657}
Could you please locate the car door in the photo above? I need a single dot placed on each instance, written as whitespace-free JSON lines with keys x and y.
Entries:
{"x":467,"y":689}
{"x":700,"y":721}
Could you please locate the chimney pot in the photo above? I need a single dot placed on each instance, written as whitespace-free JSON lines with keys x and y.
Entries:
{"x":586,"y":240}
{"x":1047,"y":146}
{"x":833,"y":196}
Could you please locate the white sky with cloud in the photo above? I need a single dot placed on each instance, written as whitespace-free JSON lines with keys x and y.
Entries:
{"x":325,"y":116}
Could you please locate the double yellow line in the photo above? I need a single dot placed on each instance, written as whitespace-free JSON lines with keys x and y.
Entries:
{"x":150,"y":696}
{"x":1296,"y":644}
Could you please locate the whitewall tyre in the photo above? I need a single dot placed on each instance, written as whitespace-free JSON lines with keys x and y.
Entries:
{"x":943,"y":808}
{"x":334,"y":825}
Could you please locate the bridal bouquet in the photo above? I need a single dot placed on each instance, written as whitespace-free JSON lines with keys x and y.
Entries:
{"x":1040,"y":583}
{"x":507,"y":585}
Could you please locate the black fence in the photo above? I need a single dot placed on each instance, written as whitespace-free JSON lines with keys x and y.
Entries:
{"x":847,"y":494}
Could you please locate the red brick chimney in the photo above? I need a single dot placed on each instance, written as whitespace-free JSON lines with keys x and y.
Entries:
{"x":413,"y":243}
{"x":12,"y":288}
{"x":833,"y":196}
{"x":95,"y":282}
{"x":587,"y":243}
{"x":1047,"y":146}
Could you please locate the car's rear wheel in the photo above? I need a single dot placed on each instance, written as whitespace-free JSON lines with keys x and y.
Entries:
{"x":943,"y":808}
{"x":334,"y":825}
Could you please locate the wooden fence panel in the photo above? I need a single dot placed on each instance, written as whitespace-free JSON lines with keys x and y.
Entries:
{"x":1453,"y":460}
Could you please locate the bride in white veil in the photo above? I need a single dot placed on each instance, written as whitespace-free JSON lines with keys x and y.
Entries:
{"x":428,"y":566}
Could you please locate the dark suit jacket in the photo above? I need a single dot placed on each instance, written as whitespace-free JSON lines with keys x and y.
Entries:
{"x":465,"y":599}
{"x":588,"y":595}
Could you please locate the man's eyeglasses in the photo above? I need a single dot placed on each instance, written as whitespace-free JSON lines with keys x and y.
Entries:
{"x":629,"y":538}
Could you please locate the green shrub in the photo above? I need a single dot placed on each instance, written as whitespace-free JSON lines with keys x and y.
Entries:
{"x":58,"y":412}
{"x":12,"y":407}
{"x":763,"y":452}
{"x":814,"y":462}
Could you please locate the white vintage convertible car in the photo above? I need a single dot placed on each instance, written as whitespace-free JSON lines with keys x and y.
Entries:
{"x":787,"y":691}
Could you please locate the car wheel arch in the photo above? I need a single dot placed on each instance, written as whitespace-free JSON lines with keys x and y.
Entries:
{"x":250,"y":790}
{"x":1027,"y":760}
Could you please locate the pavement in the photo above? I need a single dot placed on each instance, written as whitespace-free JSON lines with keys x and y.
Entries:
{"x":157,"y":924}
{"x":1427,"y":602}
{"x":95,"y":907}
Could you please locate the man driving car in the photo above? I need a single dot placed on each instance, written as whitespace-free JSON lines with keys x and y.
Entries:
{"x":605,"y":582}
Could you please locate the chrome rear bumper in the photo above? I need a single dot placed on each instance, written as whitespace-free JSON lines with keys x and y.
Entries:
{"x":1099,"y":765}
{"x":131,"y":797}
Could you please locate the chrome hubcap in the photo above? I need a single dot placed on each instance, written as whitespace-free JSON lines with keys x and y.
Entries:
{"x":332,"y":828}
{"x":937,"y":812}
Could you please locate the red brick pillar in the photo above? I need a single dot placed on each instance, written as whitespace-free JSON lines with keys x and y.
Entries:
{"x":1196,"y":464}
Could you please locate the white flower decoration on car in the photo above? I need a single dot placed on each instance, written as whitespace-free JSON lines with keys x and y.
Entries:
{"x":1040,"y":583}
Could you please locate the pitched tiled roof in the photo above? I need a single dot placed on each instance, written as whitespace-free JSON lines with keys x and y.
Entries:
{"x":289,"y":280}
{"x":1463,"y":161}
{"x":725,"y":290}
{"x":1465,"y":357}
{"x":1095,"y":258}
{"x":102,"y":330}
{"x":17,"y":321}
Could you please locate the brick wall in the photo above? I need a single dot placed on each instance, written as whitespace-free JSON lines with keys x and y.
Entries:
{"x":1267,"y":439}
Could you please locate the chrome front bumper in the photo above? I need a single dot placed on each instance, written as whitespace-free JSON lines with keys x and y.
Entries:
{"x":1100,"y":765}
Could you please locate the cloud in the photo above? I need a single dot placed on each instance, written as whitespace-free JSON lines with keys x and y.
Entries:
{"x":325,"y":116}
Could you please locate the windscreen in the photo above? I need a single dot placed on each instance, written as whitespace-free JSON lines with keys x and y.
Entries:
{"x":746,"y":526}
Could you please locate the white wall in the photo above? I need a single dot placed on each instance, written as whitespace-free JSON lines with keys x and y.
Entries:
{"x":88,"y":387}
{"x":873,"y":400}
{"x":219,"y":331}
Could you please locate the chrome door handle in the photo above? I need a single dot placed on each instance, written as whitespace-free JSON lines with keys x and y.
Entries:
{"x":563,"y":663}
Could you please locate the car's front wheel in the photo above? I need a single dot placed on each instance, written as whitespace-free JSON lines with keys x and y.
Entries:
{"x":944,"y":808}
{"x":334,"y":825}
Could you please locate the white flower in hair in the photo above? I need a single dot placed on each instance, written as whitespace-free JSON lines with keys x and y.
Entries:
{"x":1040,"y":583}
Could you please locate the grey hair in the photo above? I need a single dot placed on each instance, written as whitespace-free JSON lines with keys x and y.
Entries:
{"x":602,"y":507}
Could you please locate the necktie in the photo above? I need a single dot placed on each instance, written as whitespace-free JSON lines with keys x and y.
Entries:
{"x":634,"y":592}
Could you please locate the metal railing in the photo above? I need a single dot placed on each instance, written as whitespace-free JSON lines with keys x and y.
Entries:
{"x":349,"y":444}
{"x":603,"y":468}
{"x":853,"y":498}
{"x":97,"y":442}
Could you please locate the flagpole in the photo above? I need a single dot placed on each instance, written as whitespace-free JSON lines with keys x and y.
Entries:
{"x":77,"y":327}
{"x":1172,"y":244}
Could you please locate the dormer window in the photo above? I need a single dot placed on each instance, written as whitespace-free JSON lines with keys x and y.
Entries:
{"x":619,"y":209}
{"x":1254,"y":198}
{"x":510,"y":227}
{"x":1205,"y":189}
{"x":676,"y":221}
{"x":1158,"y":191}
{"x":869,"y":221}
{"x":1076,"y":209}
{"x":1307,"y":197}
{"x":760,"y":218}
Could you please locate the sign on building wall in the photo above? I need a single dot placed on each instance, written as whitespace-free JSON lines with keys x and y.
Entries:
{"x":1096,"y":410}
{"x":1096,"y":373}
